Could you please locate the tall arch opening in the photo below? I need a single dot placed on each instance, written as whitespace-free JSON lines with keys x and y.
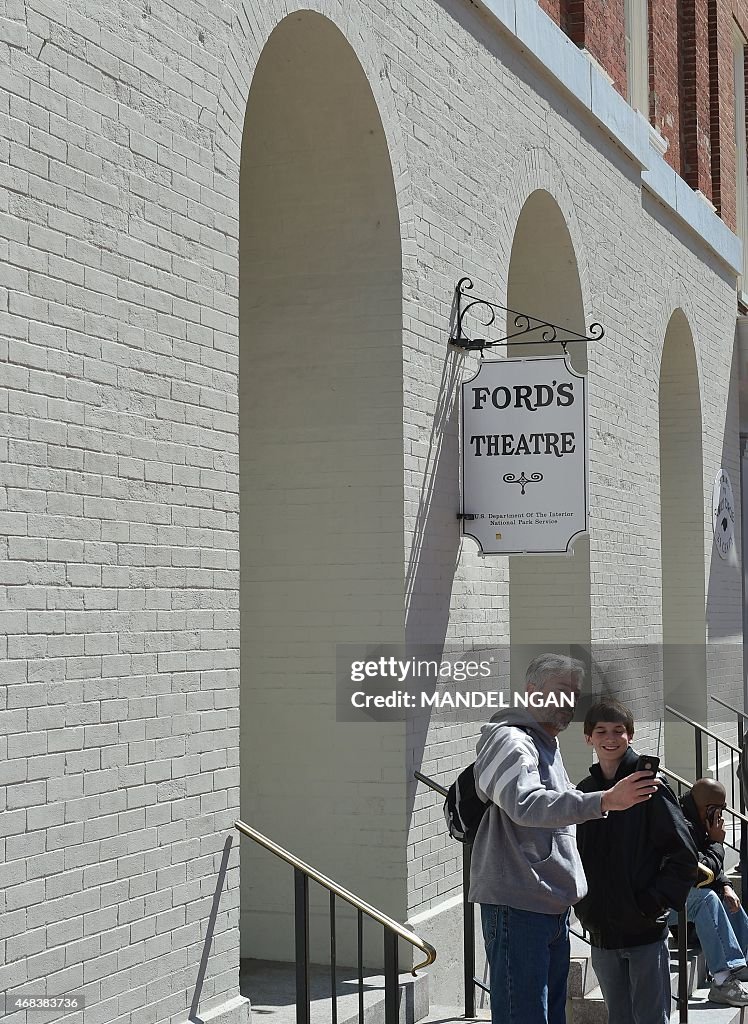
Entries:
{"x":682,"y":543}
{"x":549,"y":595}
{"x":321,"y":464}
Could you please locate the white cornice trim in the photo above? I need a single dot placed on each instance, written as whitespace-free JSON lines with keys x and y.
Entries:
{"x":658,"y":142}
{"x":540,"y":39}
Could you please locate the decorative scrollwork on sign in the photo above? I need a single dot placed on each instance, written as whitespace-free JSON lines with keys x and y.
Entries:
{"x":522,"y":480}
{"x":530,"y":330}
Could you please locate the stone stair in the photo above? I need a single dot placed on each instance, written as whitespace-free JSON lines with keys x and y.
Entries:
{"x":270,"y":987}
{"x":586,"y":1005}
{"x":453,"y":1015}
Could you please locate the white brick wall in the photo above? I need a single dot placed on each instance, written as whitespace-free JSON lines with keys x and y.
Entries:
{"x":120,"y":138}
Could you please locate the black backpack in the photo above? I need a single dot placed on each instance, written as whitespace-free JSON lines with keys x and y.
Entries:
{"x":463,"y":808}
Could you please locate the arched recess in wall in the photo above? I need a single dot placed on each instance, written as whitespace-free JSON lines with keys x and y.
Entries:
{"x":549,"y":595}
{"x":321,"y":455}
{"x":682,"y":542}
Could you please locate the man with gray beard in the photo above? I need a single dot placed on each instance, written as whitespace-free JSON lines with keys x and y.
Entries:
{"x":526,"y":872}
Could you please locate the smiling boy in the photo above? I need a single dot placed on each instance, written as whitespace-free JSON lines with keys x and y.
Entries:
{"x":638,"y":863}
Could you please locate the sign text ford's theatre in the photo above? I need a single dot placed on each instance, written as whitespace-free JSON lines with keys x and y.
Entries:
{"x":524,"y":456}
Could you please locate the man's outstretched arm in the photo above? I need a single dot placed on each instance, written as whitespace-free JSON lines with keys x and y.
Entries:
{"x":506,"y":772}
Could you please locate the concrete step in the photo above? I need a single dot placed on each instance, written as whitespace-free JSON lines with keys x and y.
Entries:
{"x":586,"y":1004}
{"x":587,"y":1009}
{"x":590,"y":1009}
{"x":701,"y":1011}
{"x":450,"y":1014}
{"x":582,"y":978}
{"x":697,"y":972}
{"x":270,"y":987}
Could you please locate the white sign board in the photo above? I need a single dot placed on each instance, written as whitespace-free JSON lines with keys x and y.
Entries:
{"x":723,"y":513}
{"x":524,"y":456}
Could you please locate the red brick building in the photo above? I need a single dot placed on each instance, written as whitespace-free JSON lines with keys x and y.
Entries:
{"x":685,"y":61}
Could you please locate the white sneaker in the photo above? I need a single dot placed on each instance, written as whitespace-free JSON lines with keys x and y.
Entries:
{"x":731,"y":993}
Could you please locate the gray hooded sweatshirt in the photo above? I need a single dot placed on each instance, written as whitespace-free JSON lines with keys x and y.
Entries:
{"x":525,"y":853}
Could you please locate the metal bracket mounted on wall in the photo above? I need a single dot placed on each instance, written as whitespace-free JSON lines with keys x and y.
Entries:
{"x":544,"y":332}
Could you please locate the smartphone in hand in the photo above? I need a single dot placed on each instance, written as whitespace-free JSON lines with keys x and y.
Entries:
{"x":648,"y":763}
{"x":713,"y":814}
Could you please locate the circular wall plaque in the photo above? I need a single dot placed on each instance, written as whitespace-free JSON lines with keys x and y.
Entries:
{"x":723,"y":513}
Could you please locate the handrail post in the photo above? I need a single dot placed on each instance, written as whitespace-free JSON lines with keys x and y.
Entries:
{"x":682,"y":966}
{"x":333,"y":961}
{"x":391,"y":994}
{"x":699,"y":753}
{"x":743,"y":826}
{"x":360,"y":962}
{"x":301,"y":917}
{"x":468,"y":933}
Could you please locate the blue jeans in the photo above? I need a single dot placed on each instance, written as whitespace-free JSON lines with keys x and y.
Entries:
{"x":528,"y":961}
{"x":635,"y":983}
{"x":723,"y":936}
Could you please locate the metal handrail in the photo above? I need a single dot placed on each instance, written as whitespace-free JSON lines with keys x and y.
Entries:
{"x":343,"y":894}
{"x":729,"y":707}
{"x":688,"y":785}
{"x":702,"y":728}
{"x":672,"y":775}
{"x":741,"y":718}
{"x":430,"y":783}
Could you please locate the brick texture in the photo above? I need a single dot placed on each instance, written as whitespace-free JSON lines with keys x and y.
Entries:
{"x":695,"y":95}
{"x":691,"y":79}
{"x":664,"y":75}
{"x":121,"y":130}
{"x":598,"y":26}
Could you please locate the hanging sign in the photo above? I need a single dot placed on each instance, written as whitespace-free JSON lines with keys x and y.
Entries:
{"x":723,"y":513}
{"x":524,"y":456}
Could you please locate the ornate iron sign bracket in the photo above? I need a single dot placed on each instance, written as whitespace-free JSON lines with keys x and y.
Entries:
{"x":544,"y":332}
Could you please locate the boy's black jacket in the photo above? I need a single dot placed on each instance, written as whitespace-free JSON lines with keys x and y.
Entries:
{"x":711,"y":854}
{"x":638,"y":864}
